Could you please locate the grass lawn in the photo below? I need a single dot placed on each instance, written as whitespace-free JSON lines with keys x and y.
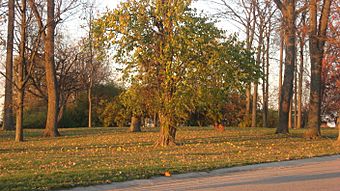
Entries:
{"x":103,"y":155}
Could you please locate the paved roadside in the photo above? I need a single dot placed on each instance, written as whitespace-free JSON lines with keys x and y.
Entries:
{"x":314,"y":174}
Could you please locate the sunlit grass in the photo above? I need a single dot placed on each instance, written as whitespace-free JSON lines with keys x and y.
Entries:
{"x":103,"y":155}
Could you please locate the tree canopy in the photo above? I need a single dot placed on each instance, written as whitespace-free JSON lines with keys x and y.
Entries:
{"x":182,"y":55}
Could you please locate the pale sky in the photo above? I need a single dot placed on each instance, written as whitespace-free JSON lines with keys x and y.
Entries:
{"x":74,"y":23}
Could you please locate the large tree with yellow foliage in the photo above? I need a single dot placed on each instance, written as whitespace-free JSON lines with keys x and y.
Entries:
{"x":168,"y":47}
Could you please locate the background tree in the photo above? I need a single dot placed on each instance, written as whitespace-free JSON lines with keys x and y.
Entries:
{"x":330,"y":107}
{"x":245,"y":15}
{"x":302,"y":35}
{"x":71,"y":63}
{"x":317,"y":40}
{"x":287,"y":8}
{"x":8,"y":104}
{"x":51,"y":128}
{"x":20,"y":78}
{"x":89,"y":16}
{"x":47,"y":34}
{"x":219,"y":94}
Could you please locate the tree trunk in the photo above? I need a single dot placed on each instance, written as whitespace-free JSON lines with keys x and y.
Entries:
{"x":89,"y":97}
{"x":280,"y":72}
{"x":60,"y":113}
{"x":250,"y":31}
{"x":299,"y":119}
{"x":168,"y":131}
{"x":254,"y":106}
{"x":248,"y":105}
{"x":8,"y":105}
{"x":295,"y":98}
{"x":135,"y":124}
{"x":290,"y":117}
{"x":155,"y":120}
{"x":258,"y":62}
{"x":20,"y":76}
{"x":19,"y":136}
{"x":317,"y":36}
{"x":51,"y":129}
{"x":264,"y":115}
{"x":267,"y":79}
{"x":338,"y":125}
{"x":288,"y":12}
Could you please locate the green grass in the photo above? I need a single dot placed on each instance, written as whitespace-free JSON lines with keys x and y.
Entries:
{"x":103,"y":155}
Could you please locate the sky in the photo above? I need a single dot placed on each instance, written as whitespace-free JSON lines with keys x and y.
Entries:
{"x":72,"y":25}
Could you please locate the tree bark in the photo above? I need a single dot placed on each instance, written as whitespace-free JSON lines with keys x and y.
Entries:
{"x":290,"y":115}
{"x":288,"y":14}
{"x":299,"y":119}
{"x":317,"y":38}
{"x":61,"y":111}
{"x":19,"y":135}
{"x":338,"y":125}
{"x":280,"y":72}
{"x":89,"y":97}
{"x":248,"y":105}
{"x":135,"y":124}
{"x":168,"y":131}
{"x":155,"y":120}
{"x":264,"y":86}
{"x":20,"y":77}
{"x":266,"y":79}
{"x":258,"y":62}
{"x":254,"y":106}
{"x":89,"y":91}
{"x":51,"y":129}
{"x":8,"y":104}
{"x":250,"y":32}
{"x":295,"y":97}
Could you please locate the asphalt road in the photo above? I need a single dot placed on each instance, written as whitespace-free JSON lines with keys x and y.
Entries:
{"x":314,"y":174}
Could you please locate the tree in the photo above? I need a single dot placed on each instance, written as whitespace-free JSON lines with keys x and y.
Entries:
{"x":245,"y":14}
{"x":134,"y":101}
{"x":220,"y":96}
{"x":261,"y":28}
{"x":71,"y":63}
{"x":338,"y":126}
{"x":8,"y":111}
{"x":89,"y":19}
{"x":330,"y":108}
{"x":164,"y":45}
{"x":287,"y":8}
{"x":302,"y":36}
{"x":317,"y":40}
{"x":21,"y":81}
{"x":47,"y":34}
{"x":51,"y":128}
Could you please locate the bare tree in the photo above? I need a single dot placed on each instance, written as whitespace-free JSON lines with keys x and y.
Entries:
{"x":47,"y":33}
{"x":280,"y":67}
{"x":265,"y":85}
{"x":20,"y":81}
{"x":264,"y":14}
{"x":287,"y":8}
{"x":89,"y":19}
{"x":302,"y":36}
{"x":51,"y":128}
{"x":8,"y":111}
{"x":317,"y":40}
